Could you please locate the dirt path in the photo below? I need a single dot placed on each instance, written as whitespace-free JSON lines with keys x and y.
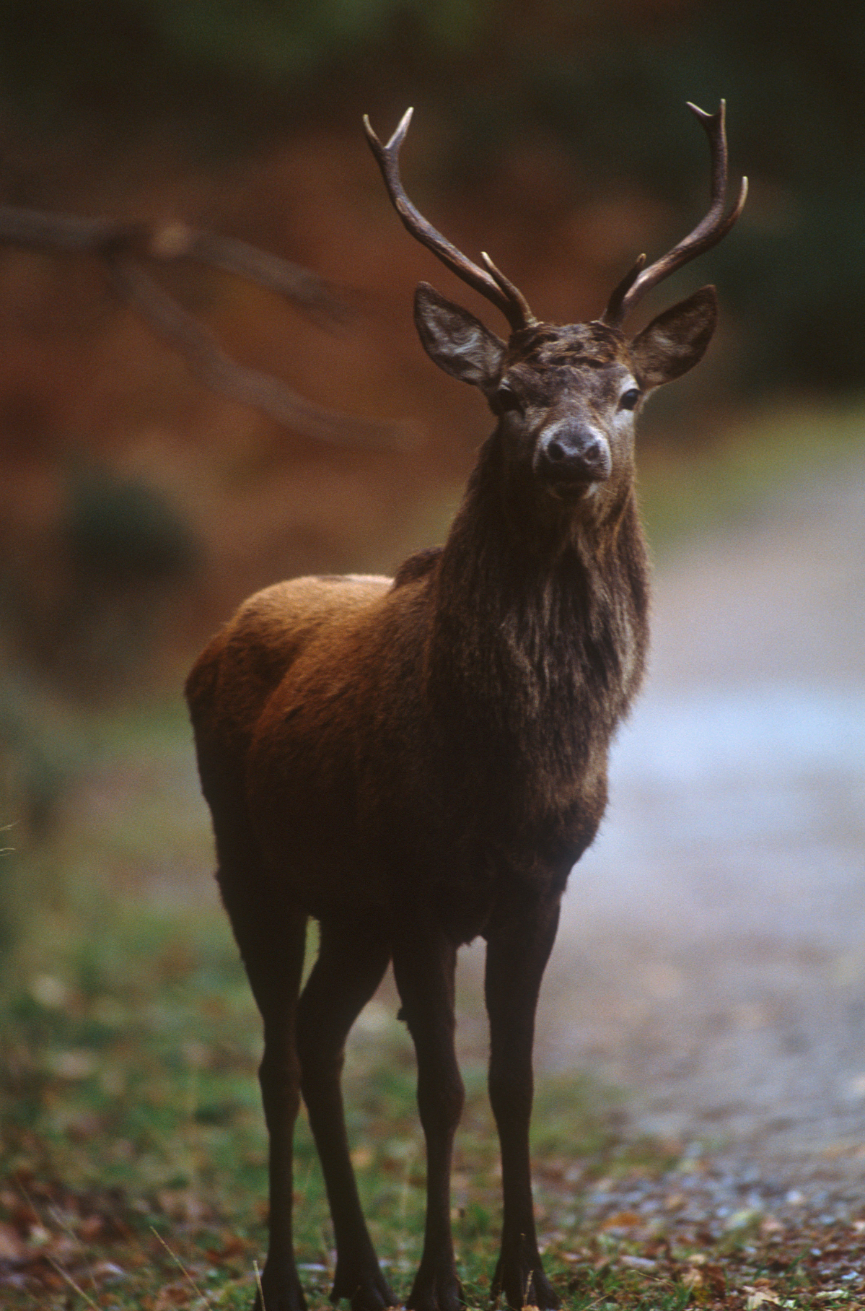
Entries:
{"x":712,"y":954}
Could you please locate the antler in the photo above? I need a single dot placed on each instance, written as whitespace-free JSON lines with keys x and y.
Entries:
{"x":489,"y":281}
{"x":124,"y":247}
{"x":706,"y":234}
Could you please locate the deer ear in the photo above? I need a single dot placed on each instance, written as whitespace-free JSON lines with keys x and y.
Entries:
{"x":455,"y":340}
{"x":677,"y":339}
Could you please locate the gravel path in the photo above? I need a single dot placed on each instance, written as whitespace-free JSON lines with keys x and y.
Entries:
{"x":712,"y":954}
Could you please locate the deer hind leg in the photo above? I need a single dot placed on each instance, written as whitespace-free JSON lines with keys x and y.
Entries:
{"x":518,"y":948}
{"x":272,"y":941}
{"x":424,"y":964}
{"x":351,"y":962}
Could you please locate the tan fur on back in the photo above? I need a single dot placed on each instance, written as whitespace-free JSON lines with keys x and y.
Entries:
{"x":239,"y":669}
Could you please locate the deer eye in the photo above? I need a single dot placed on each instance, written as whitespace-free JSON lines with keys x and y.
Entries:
{"x":505,"y":398}
{"x":629,"y":399}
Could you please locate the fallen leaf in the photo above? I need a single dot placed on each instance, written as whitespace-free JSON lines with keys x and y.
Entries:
{"x":758,"y":1297}
{"x":108,"y":1271}
{"x":623,"y":1220}
{"x":172,"y":1295}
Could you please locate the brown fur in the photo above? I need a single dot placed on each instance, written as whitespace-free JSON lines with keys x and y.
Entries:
{"x":421,"y":762}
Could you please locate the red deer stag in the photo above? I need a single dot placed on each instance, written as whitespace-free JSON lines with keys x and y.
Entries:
{"x":420,"y":761}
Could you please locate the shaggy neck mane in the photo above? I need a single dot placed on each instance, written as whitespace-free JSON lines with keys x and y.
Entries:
{"x":539,"y":629}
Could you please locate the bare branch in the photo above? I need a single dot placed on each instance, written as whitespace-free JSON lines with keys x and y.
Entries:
{"x":222,"y":374}
{"x":169,"y":242}
{"x":124,"y":247}
{"x":304,"y":289}
{"x":64,"y":232}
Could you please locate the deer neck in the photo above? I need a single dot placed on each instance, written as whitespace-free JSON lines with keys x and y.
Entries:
{"x":539,"y":616}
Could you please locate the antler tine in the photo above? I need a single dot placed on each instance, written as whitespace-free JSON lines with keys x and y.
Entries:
{"x":493,"y":284}
{"x":514,"y":295}
{"x":706,"y":234}
{"x":613,"y":314}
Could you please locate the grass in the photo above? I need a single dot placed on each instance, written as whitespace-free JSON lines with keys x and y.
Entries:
{"x":132,"y":1148}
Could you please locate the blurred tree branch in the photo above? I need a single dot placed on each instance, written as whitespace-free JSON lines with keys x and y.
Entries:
{"x":126,"y":249}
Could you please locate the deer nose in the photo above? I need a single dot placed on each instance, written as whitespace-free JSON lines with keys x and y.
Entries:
{"x":573,"y":454}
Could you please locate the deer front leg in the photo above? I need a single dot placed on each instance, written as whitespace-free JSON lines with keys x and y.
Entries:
{"x":424,"y":967}
{"x":518,"y":948}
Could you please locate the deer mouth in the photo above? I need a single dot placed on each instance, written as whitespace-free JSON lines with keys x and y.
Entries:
{"x":574,"y":489}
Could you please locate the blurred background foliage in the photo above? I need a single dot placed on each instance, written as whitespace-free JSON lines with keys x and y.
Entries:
{"x":601,"y":83}
{"x":136,"y":509}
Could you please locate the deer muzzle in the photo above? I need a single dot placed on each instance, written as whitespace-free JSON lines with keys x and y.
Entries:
{"x":571,"y":457}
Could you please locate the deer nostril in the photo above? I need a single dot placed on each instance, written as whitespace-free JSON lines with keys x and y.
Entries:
{"x":599,"y":455}
{"x":557,"y":451}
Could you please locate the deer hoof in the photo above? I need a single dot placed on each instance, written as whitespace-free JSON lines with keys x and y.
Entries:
{"x":524,"y":1287}
{"x":368,"y":1292}
{"x":279,"y":1293}
{"x":438,"y":1294}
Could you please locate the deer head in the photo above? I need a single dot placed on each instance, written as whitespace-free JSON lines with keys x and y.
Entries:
{"x":566,"y":396}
